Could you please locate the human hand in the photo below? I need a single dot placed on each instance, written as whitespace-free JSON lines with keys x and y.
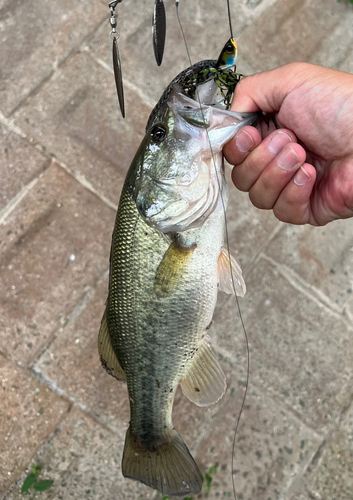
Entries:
{"x":304,"y":170}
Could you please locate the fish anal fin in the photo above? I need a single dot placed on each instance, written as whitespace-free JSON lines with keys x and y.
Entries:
{"x":228,"y":267}
{"x":171,"y":268}
{"x":168,"y":467}
{"x":106,"y":353}
{"x":205,"y":382}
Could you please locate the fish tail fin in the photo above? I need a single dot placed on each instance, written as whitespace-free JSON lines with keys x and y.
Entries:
{"x":169,"y":468}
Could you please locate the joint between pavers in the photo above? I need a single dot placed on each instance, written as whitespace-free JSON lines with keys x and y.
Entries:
{"x":347,"y":312}
{"x":269,"y":394}
{"x":260,"y":9}
{"x":145,"y":100}
{"x":11,"y":126}
{"x":72,"y":401}
{"x":9,"y":123}
{"x":10,"y":207}
{"x":277,"y":229}
{"x":309,"y":291}
{"x":56,"y":69}
{"x":315,"y":461}
{"x":86,"y":184}
{"x":80,"y":307}
{"x":78,"y":177}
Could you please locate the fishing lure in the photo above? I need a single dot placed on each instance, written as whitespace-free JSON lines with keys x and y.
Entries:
{"x":158,"y":30}
{"x":204,"y":79}
{"x":116,"y":57}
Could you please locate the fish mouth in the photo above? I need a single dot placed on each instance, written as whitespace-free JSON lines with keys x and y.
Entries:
{"x":181,"y":181}
{"x":182,"y":203}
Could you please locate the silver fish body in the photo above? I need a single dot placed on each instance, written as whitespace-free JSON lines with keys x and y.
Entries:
{"x":167,"y":263}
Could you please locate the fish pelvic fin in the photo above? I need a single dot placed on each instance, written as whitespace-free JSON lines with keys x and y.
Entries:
{"x":228,"y":268}
{"x":169,"y":468}
{"x":205,"y":382}
{"x":106,"y":352}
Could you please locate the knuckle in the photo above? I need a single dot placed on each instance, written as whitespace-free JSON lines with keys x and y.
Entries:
{"x":239,"y":181}
{"x":289,"y":212}
{"x":282,"y":216}
{"x":255,"y":167}
{"x":258,"y":201}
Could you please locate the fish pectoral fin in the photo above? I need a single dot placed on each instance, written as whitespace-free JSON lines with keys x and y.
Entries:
{"x":205,"y":382}
{"x":228,"y":266}
{"x":168,"y":467}
{"x":106,"y":352}
{"x":171,"y":268}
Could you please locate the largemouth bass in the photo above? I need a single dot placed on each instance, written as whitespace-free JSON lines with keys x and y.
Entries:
{"x":167,"y":264}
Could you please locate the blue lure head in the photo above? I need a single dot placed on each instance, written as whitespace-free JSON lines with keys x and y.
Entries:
{"x":228,"y":55}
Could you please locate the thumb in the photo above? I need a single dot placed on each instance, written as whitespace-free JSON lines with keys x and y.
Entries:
{"x":264,"y":91}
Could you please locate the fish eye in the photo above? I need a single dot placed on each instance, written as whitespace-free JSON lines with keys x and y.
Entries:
{"x":229,"y":48}
{"x":158,"y":133}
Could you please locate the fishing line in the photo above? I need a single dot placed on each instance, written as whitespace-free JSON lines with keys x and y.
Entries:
{"x":228,"y":250}
{"x":230,"y":20}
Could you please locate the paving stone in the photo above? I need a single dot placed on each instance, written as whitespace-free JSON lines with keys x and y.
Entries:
{"x":300,"y":353}
{"x":333,"y":478}
{"x":298,"y":30}
{"x":35,"y":38}
{"x":301,"y":496}
{"x":84,"y":460}
{"x":20,"y":162}
{"x":29,"y":412}
{"x":349,"y":310}
{"x":72,"y":362}
{"x":135,"y":45}
{"x":272,"y":447}
{"x":248,"y":228}
{"x":321,"y":256}
{"x":76,"y":117}
{"x":346,"y":63}
{"x":54,"y":246}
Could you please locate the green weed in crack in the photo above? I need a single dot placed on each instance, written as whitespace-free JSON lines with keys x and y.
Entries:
{"x":32,"y":481}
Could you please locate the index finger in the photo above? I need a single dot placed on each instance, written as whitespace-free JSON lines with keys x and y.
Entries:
{"x":267,"y":90}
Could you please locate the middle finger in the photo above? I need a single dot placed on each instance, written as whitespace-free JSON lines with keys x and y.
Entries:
{"x":247,"y":173}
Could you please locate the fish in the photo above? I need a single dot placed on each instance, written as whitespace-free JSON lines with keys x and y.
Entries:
{"x":168,"y":261}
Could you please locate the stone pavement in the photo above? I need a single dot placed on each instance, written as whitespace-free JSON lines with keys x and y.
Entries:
{"x":64,"y":153}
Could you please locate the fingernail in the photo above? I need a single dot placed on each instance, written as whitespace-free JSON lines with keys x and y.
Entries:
{"x":244,"y":141}
{"x":288,"y":159}
{"x":301,"y":177}
{"x":278,"y":141}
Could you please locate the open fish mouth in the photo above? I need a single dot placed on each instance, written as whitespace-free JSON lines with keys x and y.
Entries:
{"x":181,"y":209}
{"x":183,"y":195}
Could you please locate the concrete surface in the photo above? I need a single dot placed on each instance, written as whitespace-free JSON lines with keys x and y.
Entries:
{"x":64,"y":152}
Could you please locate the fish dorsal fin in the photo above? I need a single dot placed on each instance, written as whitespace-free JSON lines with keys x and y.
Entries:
{"x":205,"y":382}
{"x":225,"y":275}
{"x":107,"y":355}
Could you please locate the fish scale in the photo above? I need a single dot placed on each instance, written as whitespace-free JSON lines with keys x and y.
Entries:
{"x":167,"y":264}
{"x":157,"y":335}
